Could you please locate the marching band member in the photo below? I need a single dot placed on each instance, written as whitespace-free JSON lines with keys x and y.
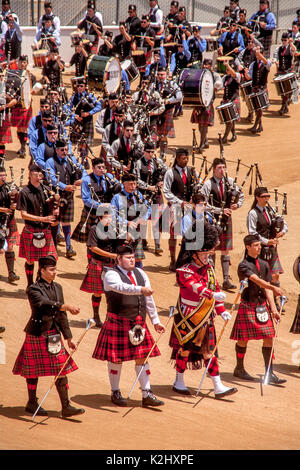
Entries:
{"x":156,"y":17}
{"x":196,"y":45}
{"x":70,"y":177}
{"x":46,"y":149}
{"x":53,"y":68}
{"x":133,"y":23}
{"x":107,"y":114}
{"x":145,"y":39}
{"x":244,"y":26}
{"x":218,"y":188}
{"x":126,"y":149}
{"x":7,"y":11}
{"x":235,"y":10}
{"x":231,"y":82}
{"x":92,"y":27}
{"x":114,"y":129}
{"x":180,"y":58}
{"x":283,"y":56}
{"x":5,"y":114}
{"x":36,"y":238}
{"x":257,"y":310}
{"x":48,"y":12}
{"x":97,"y":188}
{"x":231,"y":42}
{"x":129,"y":300}
{"x":171,"y":19}
{"x":36,"y":121}
{"x":223,"y":23}
{"x":43,"y":351}
{"x":159,"y":60}
{"x":122,"y":43}
{"x":203,"y":116}
{"x":39,"y":136}
{"x":8,"y":222}
{"x":13,"y":39}
{"x":199,"y":289}
{"x":79,"y":59}
{"x":263,"y":24}
{"x":48,"y":35}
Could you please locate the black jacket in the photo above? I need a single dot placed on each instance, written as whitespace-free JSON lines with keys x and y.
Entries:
{"x":45,"y":301}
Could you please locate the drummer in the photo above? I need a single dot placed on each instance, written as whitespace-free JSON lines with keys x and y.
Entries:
{"x":145,"y":40}
{"x":231,"y":83}
{"x":283,"y":57}
{"x":244,"y":26}
{"x":181,"y":25}
{"x":79,"y":58}
{"x":223,"y":23}
{"x":48,"y":12}
{"x":181,"y":58}
{"x":92,"y":27}
{"x":13,"y":39}
{"x":159,"y":60}
{"x":133,"y":23}
{"x":53,"y":68}
{"x":196,"y":45}
{"x":122,"y":43}
{"x":48,"y":36}
{"x":231,"y":42}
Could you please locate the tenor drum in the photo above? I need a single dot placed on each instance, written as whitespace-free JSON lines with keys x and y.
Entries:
{"x":18,"y":82}
{"x":197,"y":86}
{"x":221,"y":67}
{"x":131,"y":69}
{"x":104,"y":73}
{"x":40,"y":57}
{"x":286,"y":83}
{"x":139,"y":58}
{"x":259,"y":100}
{"x":227,"y":112}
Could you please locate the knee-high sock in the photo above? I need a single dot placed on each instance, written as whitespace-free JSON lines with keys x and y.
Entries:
{"x":114,"y":374}
{"x":181,"y":362}
{"x":2,"y":150}
{"x":54,"y":229}
{"x":29,"y":268}
{"x":10,"y":261}
{"x":31,"y":388}
{"x":95,"y":304}
{"x":144,"y":378}
{"x":67,"y":233}
{"x":240,"y":354}
{"x":225,"y":262}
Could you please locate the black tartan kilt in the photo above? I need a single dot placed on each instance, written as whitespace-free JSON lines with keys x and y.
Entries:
{"x":226,"y":238}
{"x":66,"y":211}
{"x":77,"y":234}
{"x":88,"y":131}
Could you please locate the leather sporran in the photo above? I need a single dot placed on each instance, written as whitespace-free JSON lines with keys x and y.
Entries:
{"x":54,"y":343}
{"x":261,"y":314}
{"x":136,"y":335}
{"x":39,"y":239}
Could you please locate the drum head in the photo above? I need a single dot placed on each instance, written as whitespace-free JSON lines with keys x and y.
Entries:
{"x":125,"y":64}
{"x":112,"y":75}
{"x":206,"y":87}
{"x":26,"y":89}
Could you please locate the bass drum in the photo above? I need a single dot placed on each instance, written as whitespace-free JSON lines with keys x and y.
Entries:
{"x":18,"y":83}
{"x":103,"y":74}
{"x":197,"y":87}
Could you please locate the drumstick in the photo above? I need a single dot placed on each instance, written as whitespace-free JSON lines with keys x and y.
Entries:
{"x":98,"y":27}
{"x":228,"y":53}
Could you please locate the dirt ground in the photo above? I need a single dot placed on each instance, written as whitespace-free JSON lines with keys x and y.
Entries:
{"x":257,"y":417}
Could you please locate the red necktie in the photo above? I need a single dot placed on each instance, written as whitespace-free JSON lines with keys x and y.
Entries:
{"x":118,"y":129}
{"x":131,"y":277}
{"x":266,"y":216}
{"x":149,"y":165}
{"x":183,"y":176}
{"x":221,"y":189}
{"x":128,"y":146}
{"x":257,"y":264}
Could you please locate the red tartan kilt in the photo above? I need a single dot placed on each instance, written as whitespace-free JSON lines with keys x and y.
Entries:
{"x":203,"y":116}
{"x":5,"y":132}
{"x":92,"y":281}
{"x":246,"y":326}
{"x":113,"y":342}
{"x":29,"y":251}
{"x":166,"y":128}
{"x":20,"y":117}
{"x":34,"y":360}
{"x":226,"y":238}
{"x":13,"y":237}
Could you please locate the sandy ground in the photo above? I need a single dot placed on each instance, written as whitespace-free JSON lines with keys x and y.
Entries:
{"x":257,"y":417}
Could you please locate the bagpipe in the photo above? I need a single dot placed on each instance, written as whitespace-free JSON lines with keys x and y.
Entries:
{"x":52,"y":196}
{"x":13,"y":193}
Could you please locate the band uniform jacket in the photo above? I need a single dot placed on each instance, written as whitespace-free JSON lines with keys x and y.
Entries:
{"x":45,"y":301}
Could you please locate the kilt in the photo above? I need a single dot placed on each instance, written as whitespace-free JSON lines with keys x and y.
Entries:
{"x":196,"y":353}
{"x":66,"y":212}
{"x":275,"y":266}
{"x":92,"y":281}
{"x":87,"y":130}
{"x":226,"y":238}
{"x":165,"y":126}
{"x":5,"y":132}
{"x":29,"y":251}
{"x":246,"y":326}
{"x":203,"y":116}
{"x":267,"y":43}
{"x":113,"y":342}
{"x":139,"y":251}
{"x":20,"y":117}
{"x":34,"y":360}
{"x":13,"y":237}
{"x":77,"y":234}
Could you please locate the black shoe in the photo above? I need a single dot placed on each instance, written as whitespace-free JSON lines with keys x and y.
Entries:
{"x":31,"y":408}
{"x":60,"y":238}
{"x":273,"y":379}
{"x":228,"y":392}
{"x":181,"y":392}
{"x":70,"y":253}
{"x":172,"y":266}
{"x":13,"y":277}
{"x":253,"y":130}
{"x":224,"y":140}
{"x":98,"y":323}
{"x":151,"y":400}
{"x":227,"y":285}
{"x":117,"y":398}
{"x":243,"y":374}
{"x":145,"y":246}
{"x":70,"y":410}
{"x":233,"y":138}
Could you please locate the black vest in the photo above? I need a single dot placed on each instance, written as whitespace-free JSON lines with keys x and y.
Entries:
{"x":181,"y":61}
{"x":262,"y":17}
{"x":103,"y":196}
{"x":12,"y":45}
{"x":178,"y":188}
{"x":263,"y":227}
{"x":66,"y":173}
{"x":285,"y":59}
{"x":127,"y":306}
{"x":122,"y":153}
{"x":229,"y":44}
{"x":107,"y":117}
{"x":85,"y":106}
{"x":259,"y":76}
{"x":195,"y":51}
{"x":248,"y":57}
{"x":231,"y":89}
{"x":50,"y":151}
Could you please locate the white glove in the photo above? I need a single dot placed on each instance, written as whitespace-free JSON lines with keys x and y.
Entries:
{"x":219,"y":296}
{"x":226,"y":315}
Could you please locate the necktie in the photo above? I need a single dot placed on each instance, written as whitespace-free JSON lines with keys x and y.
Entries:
{"x":131,"y":278}
{"x":149,"y":165}
{"x":183,"y":176}
{"x":221,"y":189}
{"x":118,"y":129}
{"x":266,"y":216}
{"x":257,"y":264}
{"x":127,"y":146}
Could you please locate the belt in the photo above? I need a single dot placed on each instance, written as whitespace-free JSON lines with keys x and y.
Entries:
{"x":189,"y":302}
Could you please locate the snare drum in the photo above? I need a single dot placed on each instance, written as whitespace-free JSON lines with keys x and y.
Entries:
{"x":246,"y":89}
{"x":40,"y":57}
{"x":139,"y":58}
{"x":104,"y":73}
{"x":227,"y":112}
{"x":76,"y":36}
{"x":212,"y":44}
{"x":286,"y":84}
{"x":221,"y":67}
{"x":259,"y":100}
{"x":197,"y":86}
{"x":131,"y":69}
